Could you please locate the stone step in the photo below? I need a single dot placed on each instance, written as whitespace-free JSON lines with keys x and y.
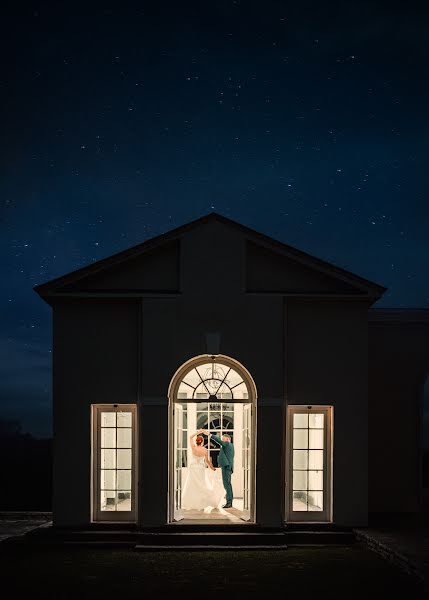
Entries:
{"x":316,"y":537}
{"x":212,"y":539}
{"x":179,"y":536}
{"x":207,"y":547}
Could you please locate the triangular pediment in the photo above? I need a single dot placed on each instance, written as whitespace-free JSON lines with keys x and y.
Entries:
{"x":153,"y":271}
{"x":269,"y":266}
{"x":156,"y":270}
{"x":268,"y":270}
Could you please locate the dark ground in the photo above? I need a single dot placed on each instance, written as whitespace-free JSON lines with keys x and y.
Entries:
{"x":48,"y":572}
{"x":38,"y":571}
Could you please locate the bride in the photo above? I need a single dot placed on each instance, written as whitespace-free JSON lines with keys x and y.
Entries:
{"x":200,"y":491}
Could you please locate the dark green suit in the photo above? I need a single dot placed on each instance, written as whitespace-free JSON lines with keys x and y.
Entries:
{"x":226,"y":463}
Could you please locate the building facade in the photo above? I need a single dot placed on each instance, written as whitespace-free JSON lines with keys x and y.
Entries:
{"x":216,"y":326}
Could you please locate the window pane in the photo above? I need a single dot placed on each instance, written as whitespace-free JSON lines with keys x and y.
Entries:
{"x":300,"y":459}
{"x":124,"y":438}
{"x":184,"y":391}
{"x":107,"y":500}
{"x":213,"y":385}
{"x":300,"y":438}
{"x":108,"y":438}
{"x":108,"y":459}
{"x":124,"y":419}
{"x":238,"y":393}
{"x":108,"y":419}
{"x":315,"y":459}
{"x":185,"y":439}
{"x":202,"y":406}
{"x":207,"y":370}
{"x":299,"y":501}
{"x":215,"y":422}
{"x":124,"y":459}
{"x":316,"y":420}
{"x":124,"y":480}
{"x":202,"y":421}
{"x":300,"y":421}
{"x":223,"y":389}
{"x":315,"y":480}
{"x":315,"y":501}
{"x":108,"y":479}
{"x":316,"y":438}
{"x":300,"y":480}
{"x":123,"y":500}
{"x":181,"y":459}
{"x":233,"y":378}
{"x":192,"y":378}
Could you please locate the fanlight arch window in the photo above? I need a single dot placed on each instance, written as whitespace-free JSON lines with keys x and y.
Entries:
{"x":214,"y":382}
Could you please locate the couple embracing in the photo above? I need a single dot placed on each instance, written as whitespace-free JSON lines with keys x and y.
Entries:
{"x":200,"y":490}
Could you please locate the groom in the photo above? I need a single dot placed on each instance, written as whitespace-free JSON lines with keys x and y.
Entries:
{"x":226,"y":463}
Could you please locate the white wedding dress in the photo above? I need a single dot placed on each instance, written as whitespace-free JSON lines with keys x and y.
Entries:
{"x":203,"y":489}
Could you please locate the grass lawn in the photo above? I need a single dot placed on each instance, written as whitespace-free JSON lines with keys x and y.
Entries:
{"x":42,"y":571}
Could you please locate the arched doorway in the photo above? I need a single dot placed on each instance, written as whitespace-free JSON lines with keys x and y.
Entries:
{"x":218,"y":394}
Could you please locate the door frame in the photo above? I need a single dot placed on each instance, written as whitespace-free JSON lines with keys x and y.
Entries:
{"x":172,"y":397}
{"x":98,"y":516}
{"x":327,"y":513}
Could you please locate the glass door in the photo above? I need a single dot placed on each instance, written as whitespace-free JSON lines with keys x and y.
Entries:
{"x":114,"y":472}
{"x":246,"y":460}
{"x":181,"y":455}
{"x":309,"y":468}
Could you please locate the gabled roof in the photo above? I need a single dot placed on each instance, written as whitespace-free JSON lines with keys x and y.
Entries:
{"x":363,"y":286}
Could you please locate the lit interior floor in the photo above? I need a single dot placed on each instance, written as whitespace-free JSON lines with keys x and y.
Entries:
{"x":217,"y":515}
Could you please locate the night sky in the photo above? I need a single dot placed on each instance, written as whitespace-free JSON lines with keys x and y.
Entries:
{"x":307,"y":121}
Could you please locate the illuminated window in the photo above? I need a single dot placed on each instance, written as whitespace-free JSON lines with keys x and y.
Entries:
{"x":310,"y":435}
{"x":114,"y":443}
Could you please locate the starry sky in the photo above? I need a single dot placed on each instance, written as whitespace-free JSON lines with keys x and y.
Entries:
{"x":306,"y":121}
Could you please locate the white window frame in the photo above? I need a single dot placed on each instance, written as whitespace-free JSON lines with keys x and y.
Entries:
{"x":112,"y":516}
{"x":326,"y":515}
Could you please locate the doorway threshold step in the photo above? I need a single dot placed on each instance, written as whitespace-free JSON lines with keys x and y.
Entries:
{"x":207,"y":547}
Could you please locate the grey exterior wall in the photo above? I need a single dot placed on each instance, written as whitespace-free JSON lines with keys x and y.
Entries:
{"x":398,"y":367}
{"x":327,"y":364}
{"x":95,"y":361}
{"x":127,"y":351}
{"x":250,"y":331}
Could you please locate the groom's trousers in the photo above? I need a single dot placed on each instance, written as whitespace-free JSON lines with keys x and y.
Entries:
{"x":226,"y":480}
